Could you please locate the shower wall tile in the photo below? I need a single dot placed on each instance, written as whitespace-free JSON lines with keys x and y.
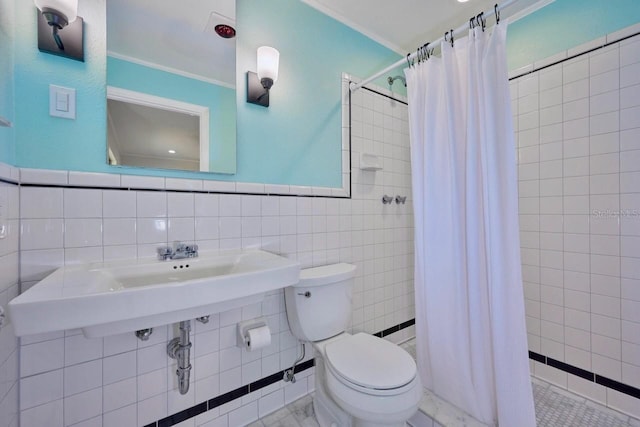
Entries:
{"x":580,"y":216}
{"x":118,"y":380}
{"x":9,"y":288}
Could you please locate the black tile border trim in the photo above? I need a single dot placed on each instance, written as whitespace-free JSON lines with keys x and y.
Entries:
{"x":618,"y":386}
{"x":381,"y":94}
{"x":396,"y":328}
{"x":568,"y":58}
{"x":167,"y":190}
{"x":203,"y":407}
{"x":587,"y":375}
{"x":8,"y":181}
{"x":97,"y":187}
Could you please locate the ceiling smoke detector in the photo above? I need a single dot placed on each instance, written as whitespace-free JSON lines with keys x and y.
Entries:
{"x":225,"y":31}
{"x":221,"y":25}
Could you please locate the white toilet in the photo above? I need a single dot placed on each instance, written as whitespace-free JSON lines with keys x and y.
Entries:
{"x":361,"y":380}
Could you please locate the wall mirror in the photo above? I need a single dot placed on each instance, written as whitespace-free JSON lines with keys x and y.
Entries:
{"x":174,"y":55}
{"x":150,"y":131}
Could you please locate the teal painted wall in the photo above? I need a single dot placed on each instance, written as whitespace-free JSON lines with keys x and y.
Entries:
{"x":47,"y":142}
{"x":7,"y":31}
{"x":221,"y":102}
{"x":565,"y":24}
{"x":296,"y":141}
{"x":299,"y":135}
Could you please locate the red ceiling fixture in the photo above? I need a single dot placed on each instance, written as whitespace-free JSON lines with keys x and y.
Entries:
{"x":225,"y":31}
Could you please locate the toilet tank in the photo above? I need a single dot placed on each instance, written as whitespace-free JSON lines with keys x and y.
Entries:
{"x":319,"y":305}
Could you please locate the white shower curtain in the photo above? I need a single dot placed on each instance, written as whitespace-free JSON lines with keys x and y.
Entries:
{"x":470,"y":321}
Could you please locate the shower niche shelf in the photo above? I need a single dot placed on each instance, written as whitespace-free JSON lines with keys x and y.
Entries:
{"x":370,"y":162}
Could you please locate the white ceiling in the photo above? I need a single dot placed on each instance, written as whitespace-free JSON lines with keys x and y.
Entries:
{"x":404,"y":25}
{"x":177,"y":37}
{"x":147,"y":132}
{"x":173,"y":36}
{"x":401,"y":25}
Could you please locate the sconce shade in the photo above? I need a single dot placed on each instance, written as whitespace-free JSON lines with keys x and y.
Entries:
{"x":268,"y":59}
{"x":68,"y":8}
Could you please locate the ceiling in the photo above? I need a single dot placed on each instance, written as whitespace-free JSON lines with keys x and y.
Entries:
{"x":146,"y":132}
{"x":180,"y":39}
{"x":168,"y":35}
{"x":401,"y":25}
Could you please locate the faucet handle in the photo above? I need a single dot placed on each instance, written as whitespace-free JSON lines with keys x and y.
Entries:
{"x":191,"y":248}
{"x":401,"y":199}
{"x":164,"y":252}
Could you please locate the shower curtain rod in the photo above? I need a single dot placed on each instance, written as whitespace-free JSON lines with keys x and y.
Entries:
{"x":355,"y":86}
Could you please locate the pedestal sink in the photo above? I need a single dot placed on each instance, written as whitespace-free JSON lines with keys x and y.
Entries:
{"x":114,"y":297}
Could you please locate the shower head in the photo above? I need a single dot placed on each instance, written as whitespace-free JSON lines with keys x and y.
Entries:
{"x":393,"y":79}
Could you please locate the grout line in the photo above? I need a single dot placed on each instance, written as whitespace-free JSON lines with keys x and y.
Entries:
{"x":165,"y":190}
{"x":588,"y":375}
{"x":249,"y":388}
{"x":568,"y":58}
{"x":276,"y":377}
{"x":382,"y":94}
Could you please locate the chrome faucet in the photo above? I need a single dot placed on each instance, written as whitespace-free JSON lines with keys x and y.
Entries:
{"x":177,"y":251}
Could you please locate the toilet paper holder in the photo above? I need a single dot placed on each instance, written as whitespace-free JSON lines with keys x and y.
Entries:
{"x":243,"y":328}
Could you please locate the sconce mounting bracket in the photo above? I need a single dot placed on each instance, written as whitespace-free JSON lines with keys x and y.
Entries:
{"x":71,"y":35}
{"x":256,"y":93}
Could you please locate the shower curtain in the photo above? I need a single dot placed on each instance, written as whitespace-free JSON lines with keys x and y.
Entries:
{"x":470,"y":321}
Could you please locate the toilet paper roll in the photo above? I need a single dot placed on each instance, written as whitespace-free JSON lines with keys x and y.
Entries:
{"x":258,"y":338}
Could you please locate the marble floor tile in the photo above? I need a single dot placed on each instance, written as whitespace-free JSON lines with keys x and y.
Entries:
{"x":554,"y":408}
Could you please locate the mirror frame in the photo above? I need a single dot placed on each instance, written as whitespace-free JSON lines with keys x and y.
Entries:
{"x":146,"y":100}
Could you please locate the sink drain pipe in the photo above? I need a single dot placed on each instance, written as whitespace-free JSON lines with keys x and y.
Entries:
{"x":179,"y":348}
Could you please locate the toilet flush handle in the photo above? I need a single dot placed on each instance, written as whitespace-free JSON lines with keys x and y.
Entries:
{"x":305,"y":294}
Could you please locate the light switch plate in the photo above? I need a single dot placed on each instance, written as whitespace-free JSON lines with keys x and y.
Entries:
{"x":62,"y":102}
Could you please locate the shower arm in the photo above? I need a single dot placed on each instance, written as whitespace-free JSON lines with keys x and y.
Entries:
{"x":390,"y":80}
{"x":465,"y":27}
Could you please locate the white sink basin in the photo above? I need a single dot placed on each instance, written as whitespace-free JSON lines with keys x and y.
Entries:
{"x":109,"y":298}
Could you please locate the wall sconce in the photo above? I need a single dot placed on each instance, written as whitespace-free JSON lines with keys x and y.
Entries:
{"x":60,"y":29}
{"x":259,"y":84}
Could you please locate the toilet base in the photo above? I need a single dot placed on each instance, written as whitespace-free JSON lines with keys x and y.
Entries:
{"x":329,"y":413}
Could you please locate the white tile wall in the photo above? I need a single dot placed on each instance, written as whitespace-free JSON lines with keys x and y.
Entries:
{"x":67,"y":379}
{"x":580,"y":215}
{"x":9,"y":288}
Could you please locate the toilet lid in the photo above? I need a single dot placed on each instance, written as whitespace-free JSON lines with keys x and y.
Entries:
{"x":371,"y":362}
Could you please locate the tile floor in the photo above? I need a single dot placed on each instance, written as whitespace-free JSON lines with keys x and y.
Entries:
{"x":557,"y":407}
{"x":554,"y":408}
{"x":296,"y":414}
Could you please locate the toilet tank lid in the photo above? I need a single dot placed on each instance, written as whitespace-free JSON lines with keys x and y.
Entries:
{"x":332,"y":273}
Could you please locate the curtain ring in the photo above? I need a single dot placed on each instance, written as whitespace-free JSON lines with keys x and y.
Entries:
{"x":426,"y":49}
{"x":447,"y":39}
{"x":497,"y":13}
{"x":481,"y":21}
{"x":471,"y":23}
{"x":409,"y":64}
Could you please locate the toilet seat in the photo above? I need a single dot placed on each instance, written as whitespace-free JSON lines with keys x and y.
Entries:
{"x":370,"y":365}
